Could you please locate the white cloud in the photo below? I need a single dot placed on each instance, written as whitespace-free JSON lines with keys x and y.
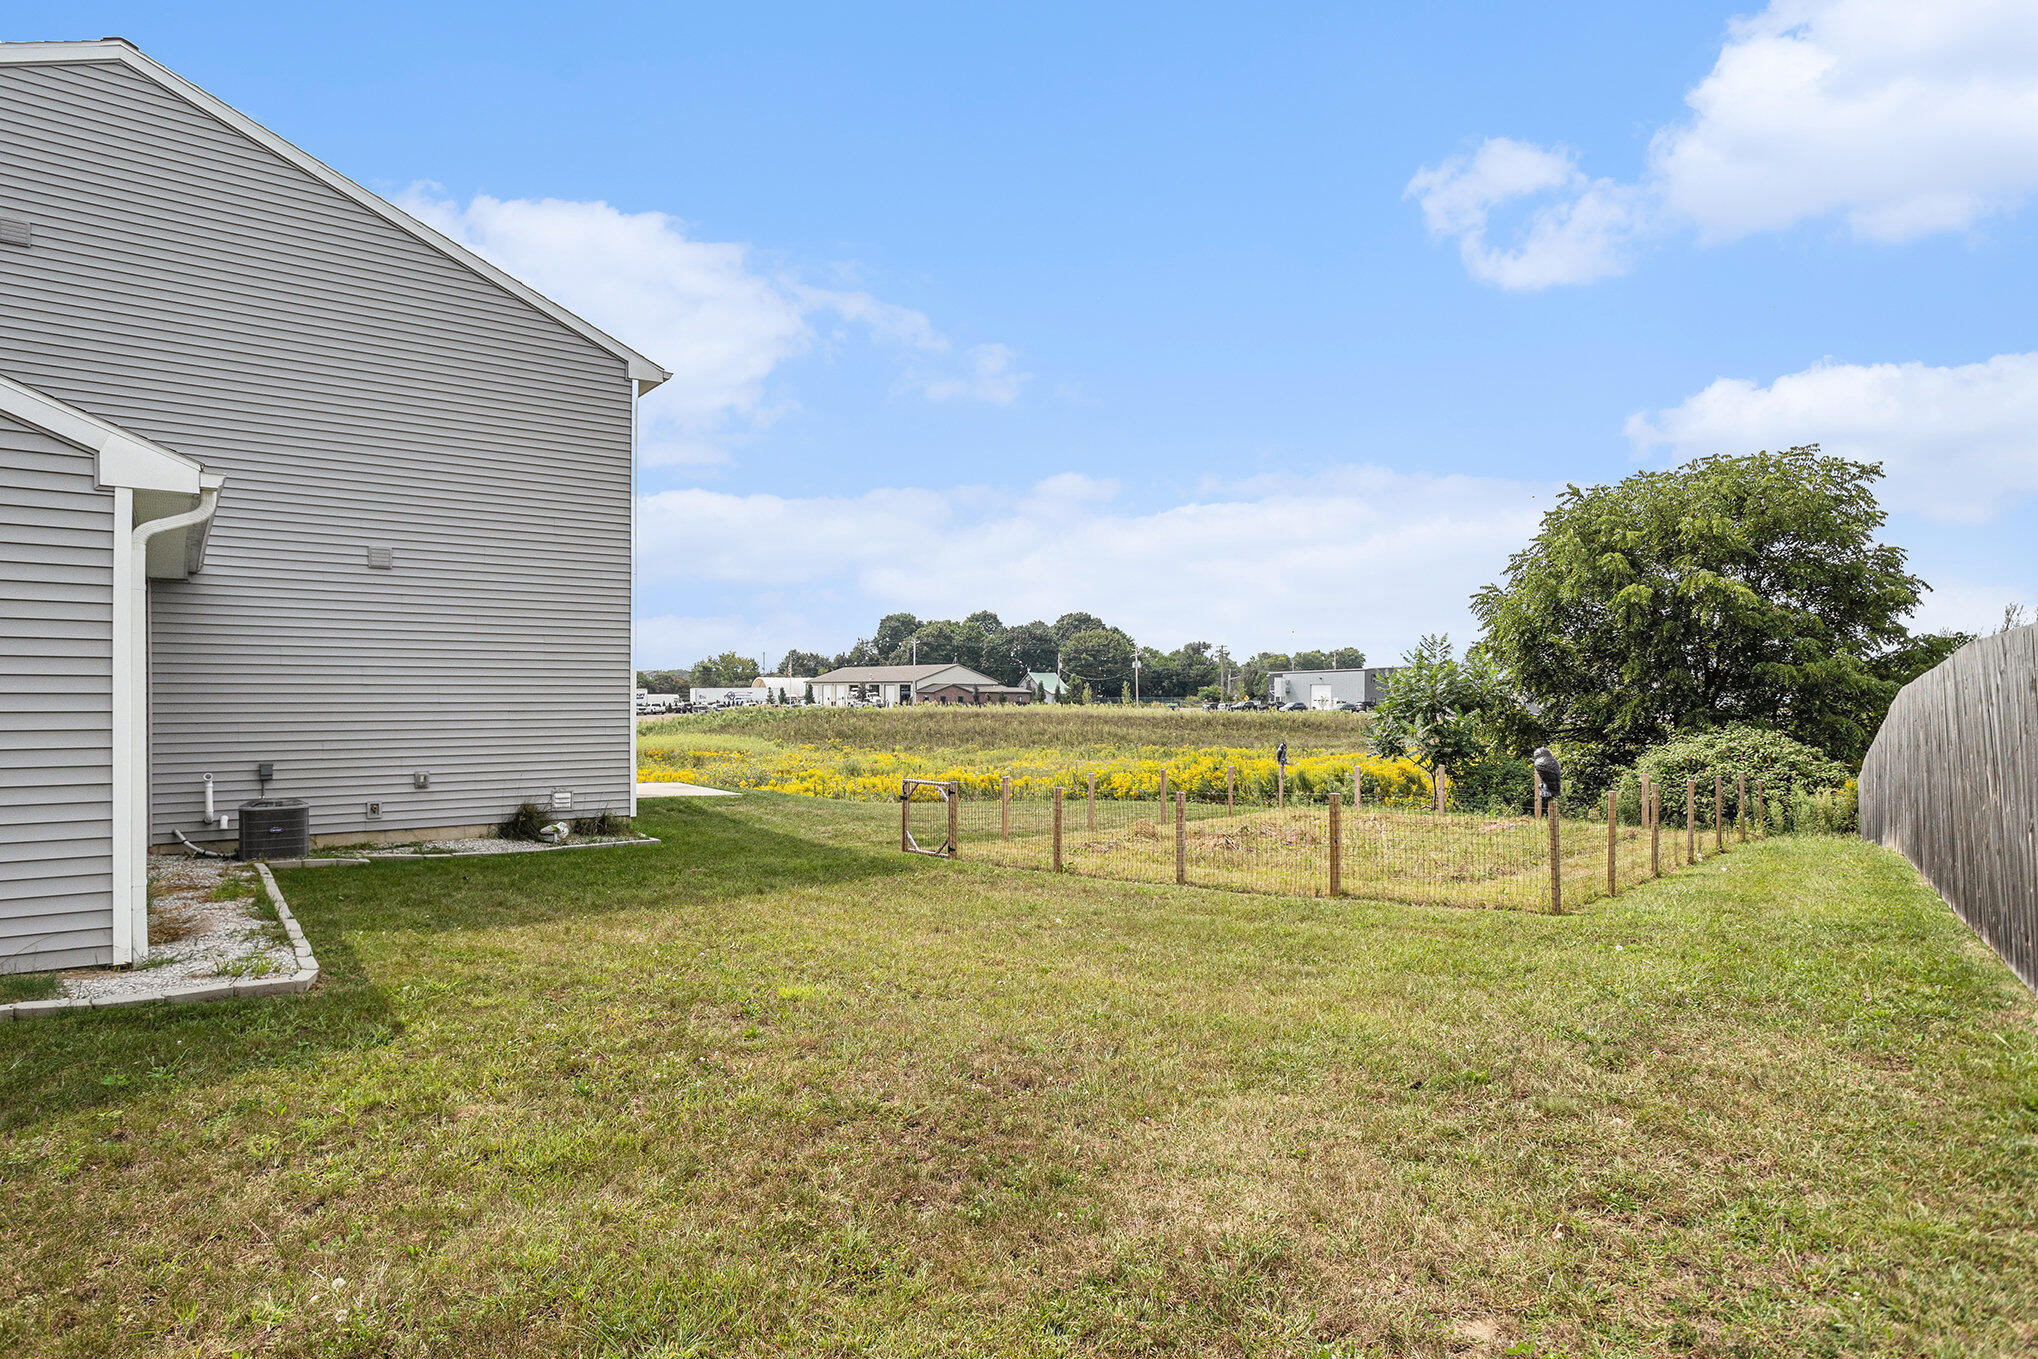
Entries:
{"x":670,"y":640}
{"x":1583,"y":235}
{"x":703,"y":309}
{"x":1900,"y":119}
{"x":1958,"y":443}
{"x":990,"y":378}
{"x":1360,"y":555}
{"x":1957,"y":604}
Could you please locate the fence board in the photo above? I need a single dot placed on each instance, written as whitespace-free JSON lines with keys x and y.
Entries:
{"x":1951,"y":783}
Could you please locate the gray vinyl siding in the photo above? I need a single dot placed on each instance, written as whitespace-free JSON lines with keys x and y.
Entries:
{"x":56,"y":705}
{"x":357,"y":388}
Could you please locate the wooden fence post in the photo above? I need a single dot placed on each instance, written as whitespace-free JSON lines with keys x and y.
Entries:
{"x":1281,"y":786}
{"x":1181,"y":839}
{"x":1231,"y":790}
{"x":1443,"y":787}
{"x":1090,"y":823}
{"x":1537,"y":779}
{"x":1358,"y":793}
{"x":1612,"y":887}
{"x":1057,"y":828}
{"x":1005,"y":807}
{"x":1655,"y":831}
{"x":954,"y":818}
{"x":1556,"y":866}
{"x":905,"y":815}
{"x":1719,"y":808}
{"x":1164,"y":786}
{"x":1690,"y":822}
{"x":1336,"y":841}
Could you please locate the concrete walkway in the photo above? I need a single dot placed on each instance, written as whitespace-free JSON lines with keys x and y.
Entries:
{"x":681,"y":790}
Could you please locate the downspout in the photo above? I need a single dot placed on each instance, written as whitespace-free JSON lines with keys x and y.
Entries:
{"x":137,"y":847}
{"x":636,"y":393}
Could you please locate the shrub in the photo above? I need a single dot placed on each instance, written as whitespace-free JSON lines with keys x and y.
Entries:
{"x":524,"y":823}
{"x":1499,"y":784}
{"x":1786,"y":767}
{"x":607,"y":823}
{"x":1834,"y":812}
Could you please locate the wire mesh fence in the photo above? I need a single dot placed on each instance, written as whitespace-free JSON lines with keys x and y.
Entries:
{"x":1325,"y":844}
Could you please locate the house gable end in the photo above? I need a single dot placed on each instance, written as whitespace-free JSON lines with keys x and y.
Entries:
{"x":643,"y":372}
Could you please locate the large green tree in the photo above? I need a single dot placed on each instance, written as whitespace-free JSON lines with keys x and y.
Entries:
{"x":1031,"y":646}
{"x":893,"y":629}
{"x":1069,"y":624}
{"x":727,"y":670}
{"x":1099,"y":657}
{"x":803,"y":663}
{"x":1730,"y":589}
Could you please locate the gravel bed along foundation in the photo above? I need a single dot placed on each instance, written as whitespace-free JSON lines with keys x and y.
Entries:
{"x":209,"y":938}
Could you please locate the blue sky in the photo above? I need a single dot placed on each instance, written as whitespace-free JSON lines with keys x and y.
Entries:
{"x":1268,"y":328}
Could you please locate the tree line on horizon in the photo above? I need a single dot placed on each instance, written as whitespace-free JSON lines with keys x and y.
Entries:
{"x":1081,"y":648}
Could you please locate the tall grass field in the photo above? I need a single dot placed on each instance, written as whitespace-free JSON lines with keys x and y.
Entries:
{"x":863,"y":753}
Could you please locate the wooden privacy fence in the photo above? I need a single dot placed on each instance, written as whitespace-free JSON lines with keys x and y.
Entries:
{"x":1334,"y":845}
{"x":1951,"y":783}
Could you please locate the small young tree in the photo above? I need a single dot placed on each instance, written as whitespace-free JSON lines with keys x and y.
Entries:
{"x":1434,"y":708}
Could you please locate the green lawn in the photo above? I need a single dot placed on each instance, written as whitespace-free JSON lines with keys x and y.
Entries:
{"x":771,"y":1088}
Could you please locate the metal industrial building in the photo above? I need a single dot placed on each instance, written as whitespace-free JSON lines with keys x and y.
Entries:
{"x":1326,"y":689}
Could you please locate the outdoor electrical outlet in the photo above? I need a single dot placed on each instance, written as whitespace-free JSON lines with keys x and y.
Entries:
{"x":421,"y":780}
{"x":374,"y":809}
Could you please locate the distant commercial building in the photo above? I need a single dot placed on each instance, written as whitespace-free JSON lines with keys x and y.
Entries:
{"x":782,"y":688}
{"x":1326,"y":689}
{"x":723,"y":696}
{"x":897,"y":686}
{"x":976,"y":695}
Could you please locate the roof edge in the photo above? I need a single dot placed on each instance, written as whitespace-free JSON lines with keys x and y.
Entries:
{"x":643,"y":372}
{"x":121,"y":458}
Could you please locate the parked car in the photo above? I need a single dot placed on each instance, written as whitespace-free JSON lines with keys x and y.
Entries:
{"x":1349,"y":707}
{"x":1297,"y":707}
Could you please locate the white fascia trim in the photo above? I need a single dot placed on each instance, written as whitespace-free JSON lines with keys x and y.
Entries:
{"x":643,"y":372}
{"x":123,"y":459}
